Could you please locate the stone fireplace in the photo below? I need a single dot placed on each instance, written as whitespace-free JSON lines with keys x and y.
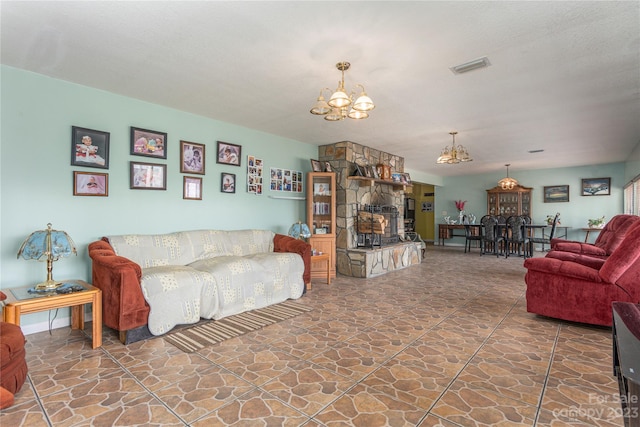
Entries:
{"x":362,"y":254}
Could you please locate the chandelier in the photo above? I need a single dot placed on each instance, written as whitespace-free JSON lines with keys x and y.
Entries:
{"x":454,"y":154}
{"x":507,"y":183}
{"x":340,"y":104}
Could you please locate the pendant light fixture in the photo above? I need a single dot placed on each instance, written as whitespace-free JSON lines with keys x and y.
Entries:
{"x":340,"y":104}
{"x":507,"y":183}
{"x":454,"y":154}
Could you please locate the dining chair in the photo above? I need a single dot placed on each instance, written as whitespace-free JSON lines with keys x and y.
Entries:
{"x":492,"y":238}
{"x":541,"y":240}
{"x":515,"y":237}
{"x":470,"y":235}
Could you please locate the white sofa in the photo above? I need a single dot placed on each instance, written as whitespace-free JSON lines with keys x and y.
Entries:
{"x":189,"y":275}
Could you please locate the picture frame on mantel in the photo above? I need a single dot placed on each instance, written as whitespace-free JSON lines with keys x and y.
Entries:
{"x":596,"y":187}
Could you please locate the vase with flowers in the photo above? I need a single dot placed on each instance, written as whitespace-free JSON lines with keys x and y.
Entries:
{"x":550,"y":219}
{"x":460,"y":206}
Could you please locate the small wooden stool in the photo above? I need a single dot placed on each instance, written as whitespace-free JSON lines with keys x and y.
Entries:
{"x":320,"y":258}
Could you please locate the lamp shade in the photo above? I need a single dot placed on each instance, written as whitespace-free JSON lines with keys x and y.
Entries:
{"x":47,"y":245}
{"x":299,"y":230}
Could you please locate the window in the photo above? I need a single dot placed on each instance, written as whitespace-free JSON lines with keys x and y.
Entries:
{"x":632,"y":197}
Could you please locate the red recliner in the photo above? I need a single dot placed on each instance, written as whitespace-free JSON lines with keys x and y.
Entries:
{"x":607,"y":241}
{"x":584,"y":291}
{"x":13,"y":366}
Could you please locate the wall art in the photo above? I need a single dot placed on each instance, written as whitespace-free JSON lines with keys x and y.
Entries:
{"x":148,"y":176}
{"x":228,"y":182}
{"x":229,"y":154}
{"x":150,"y":143}
{"x":90,"y":184}
{"x":191,"y":157}
{"x":192,"y":188}
{"x":596,"y":187}
{"x":254,"y":175}
{"x":89,"y":148}
{"x":556,"y":193}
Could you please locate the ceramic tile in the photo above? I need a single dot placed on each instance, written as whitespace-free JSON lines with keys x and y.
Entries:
{"x":431,"y":345}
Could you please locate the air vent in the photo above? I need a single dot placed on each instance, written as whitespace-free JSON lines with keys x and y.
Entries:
{"x":536,"y":151}
{"x":471,"y":65}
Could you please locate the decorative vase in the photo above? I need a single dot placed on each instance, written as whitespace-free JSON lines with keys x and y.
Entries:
{"x":460,"y":215}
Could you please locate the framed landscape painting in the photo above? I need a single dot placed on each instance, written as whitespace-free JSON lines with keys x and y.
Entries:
{"x":596,"y":187}
{"x":556,"y":193}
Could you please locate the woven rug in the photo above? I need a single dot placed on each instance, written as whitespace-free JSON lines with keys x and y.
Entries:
{"x":196,"y":337}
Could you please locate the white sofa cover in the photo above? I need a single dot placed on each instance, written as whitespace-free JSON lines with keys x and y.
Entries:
{"x":209,"y":274}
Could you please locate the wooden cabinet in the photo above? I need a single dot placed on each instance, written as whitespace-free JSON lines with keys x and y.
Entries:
{"x":509,"y":202}
{"x":321,"y":218}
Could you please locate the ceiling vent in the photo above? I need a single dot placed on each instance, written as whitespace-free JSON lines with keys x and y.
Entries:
{"x":471,"y":65}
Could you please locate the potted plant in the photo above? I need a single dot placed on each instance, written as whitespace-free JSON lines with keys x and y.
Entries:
{"x":596,"y":222}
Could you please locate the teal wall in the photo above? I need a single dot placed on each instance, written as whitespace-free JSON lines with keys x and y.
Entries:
{"x":37,"y":113}
{"x":574,"y":213}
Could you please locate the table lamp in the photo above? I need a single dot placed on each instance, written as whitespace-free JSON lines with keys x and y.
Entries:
{"x":49,"y":245}
{"x":299,"y":230}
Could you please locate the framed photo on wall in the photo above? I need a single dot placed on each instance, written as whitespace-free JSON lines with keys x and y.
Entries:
{"x":229,"y":154}
{"x":556,"y":193}
{"x":148,"y":176}
{"x":90,"y":184}
{"x":228,"y":182}
{"x":89,"y":148}
{"x":596,"y":187}
{"x":150,"y":143}
{"x":191,"y":157}
{"x":192,"y":188}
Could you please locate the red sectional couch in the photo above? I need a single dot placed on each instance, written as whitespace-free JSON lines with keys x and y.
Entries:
{"x":581,"y":288}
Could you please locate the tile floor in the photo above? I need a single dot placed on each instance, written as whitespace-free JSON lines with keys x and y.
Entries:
{"x":446,"y":343}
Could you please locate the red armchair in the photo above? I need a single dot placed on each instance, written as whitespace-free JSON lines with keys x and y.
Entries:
{"x":13,"y":366}
{"x":584,"y":291}
{"x":607,"y":241}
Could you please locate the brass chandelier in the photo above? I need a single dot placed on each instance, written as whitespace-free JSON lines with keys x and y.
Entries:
{"x":341,"y":105}
{"x":507,"y":183}
{"x":454,"y":154}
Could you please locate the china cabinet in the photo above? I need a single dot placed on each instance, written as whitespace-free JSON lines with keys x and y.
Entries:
{"x":321,"y":218}
{"x":509,"y":202}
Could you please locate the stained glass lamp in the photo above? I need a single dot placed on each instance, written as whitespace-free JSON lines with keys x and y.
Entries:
{"x":299,"y":230}
{"x":47,"y":245}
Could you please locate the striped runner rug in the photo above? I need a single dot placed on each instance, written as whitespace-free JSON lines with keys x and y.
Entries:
{"x":211,"y":332}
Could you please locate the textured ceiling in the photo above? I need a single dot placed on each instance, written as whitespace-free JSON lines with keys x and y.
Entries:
{"x":564,"y":76}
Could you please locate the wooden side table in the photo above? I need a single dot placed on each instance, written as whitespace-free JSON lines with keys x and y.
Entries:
{"x":588,"y":231}
{"x":19,"y":301}
{"x":321,"y":258}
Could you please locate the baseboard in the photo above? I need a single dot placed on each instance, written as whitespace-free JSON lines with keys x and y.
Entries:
{"x":59,"y":322}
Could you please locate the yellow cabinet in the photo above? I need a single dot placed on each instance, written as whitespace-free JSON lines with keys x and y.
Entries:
{"x":321,"y":218}
{"x":509,"y":202}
